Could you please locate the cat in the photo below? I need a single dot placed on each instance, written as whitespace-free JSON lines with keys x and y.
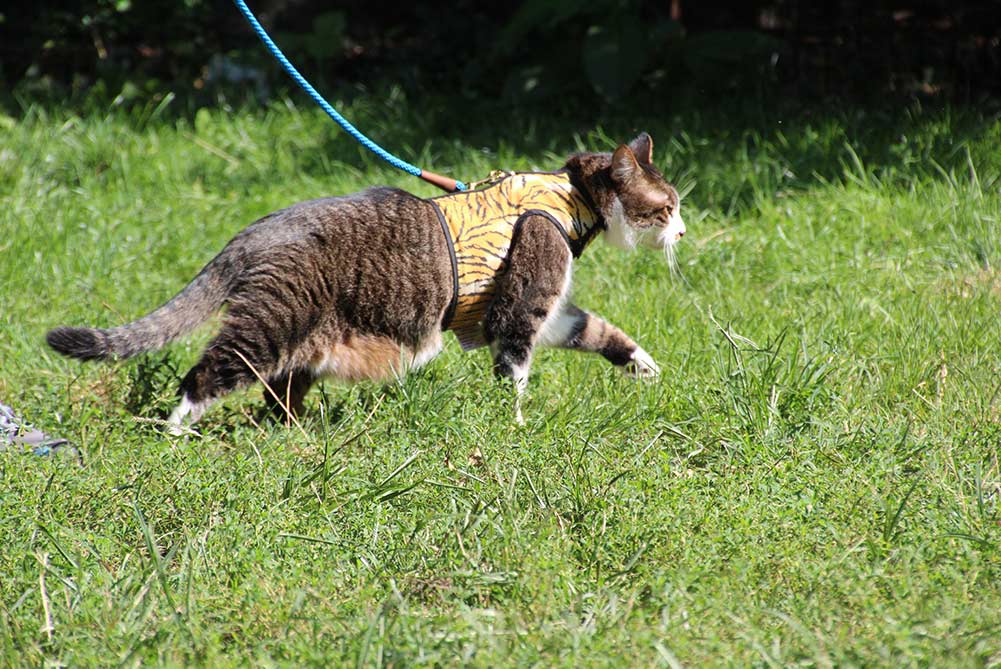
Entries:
{"x":362,"y":286}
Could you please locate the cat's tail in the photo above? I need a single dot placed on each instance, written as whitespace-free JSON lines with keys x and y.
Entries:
{"x":186,"y":311}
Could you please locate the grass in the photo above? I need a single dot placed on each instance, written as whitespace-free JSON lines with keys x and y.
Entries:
{"x":813,"y":480}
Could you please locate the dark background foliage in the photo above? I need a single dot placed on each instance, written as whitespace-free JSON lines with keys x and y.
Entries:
{"x":543,"y":52}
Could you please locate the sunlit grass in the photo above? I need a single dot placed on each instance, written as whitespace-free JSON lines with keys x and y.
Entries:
{"x":813,"y":480}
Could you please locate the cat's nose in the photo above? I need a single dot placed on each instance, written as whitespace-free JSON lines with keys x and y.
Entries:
{"x":680,"y":231}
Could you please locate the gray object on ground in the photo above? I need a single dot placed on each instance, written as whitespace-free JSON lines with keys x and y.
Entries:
{"x":14,"y":432}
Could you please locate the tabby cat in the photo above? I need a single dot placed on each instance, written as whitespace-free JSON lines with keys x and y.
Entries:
{"x":362,"y":286}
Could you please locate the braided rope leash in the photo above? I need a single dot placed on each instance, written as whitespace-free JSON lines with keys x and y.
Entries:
{"x":445,"y":183}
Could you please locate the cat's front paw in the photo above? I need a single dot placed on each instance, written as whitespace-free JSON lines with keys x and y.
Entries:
{"x":641,"y":365}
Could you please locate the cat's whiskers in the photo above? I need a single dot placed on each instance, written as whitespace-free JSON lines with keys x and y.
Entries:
{"x":668,"y":244}
{"x":671,"y":256}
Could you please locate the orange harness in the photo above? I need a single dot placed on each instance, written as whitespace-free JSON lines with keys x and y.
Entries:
{"x":481,"y":224}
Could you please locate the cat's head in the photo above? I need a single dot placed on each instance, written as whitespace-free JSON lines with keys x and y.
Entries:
{"x":645,"y":209}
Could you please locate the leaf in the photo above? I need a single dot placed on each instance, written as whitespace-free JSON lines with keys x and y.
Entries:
{"x":327,"y":37}
{"x":726,"y":54}
{"x":614,"y":56}
{"x":203,"y":121}
{"x":535,"y":14}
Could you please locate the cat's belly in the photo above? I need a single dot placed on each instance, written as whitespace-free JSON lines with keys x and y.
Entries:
{"x":372,"y":357}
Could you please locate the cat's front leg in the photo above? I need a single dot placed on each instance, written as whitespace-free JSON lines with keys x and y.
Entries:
{"x":528,"y":295}
{"x":576,"y":329}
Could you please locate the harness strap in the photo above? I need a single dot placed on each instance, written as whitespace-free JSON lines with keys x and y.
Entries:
{"x":446,"y":320}
{"x":575,"y":249}
{"x":589,"y":201}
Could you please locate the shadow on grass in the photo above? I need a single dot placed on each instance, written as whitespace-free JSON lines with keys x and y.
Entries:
{"x":733,"y":153}
{"x":730,"y":153}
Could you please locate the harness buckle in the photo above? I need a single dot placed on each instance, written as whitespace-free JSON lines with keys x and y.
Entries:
{"x":495,"y":176}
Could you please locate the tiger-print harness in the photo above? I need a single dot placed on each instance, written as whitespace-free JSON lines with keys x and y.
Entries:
{"x":480,"y":226}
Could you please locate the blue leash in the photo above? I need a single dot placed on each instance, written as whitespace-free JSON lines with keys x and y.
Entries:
{"x":443,"y":182}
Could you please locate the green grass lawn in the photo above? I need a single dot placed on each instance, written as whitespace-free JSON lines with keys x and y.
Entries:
{"x":813,"y":480}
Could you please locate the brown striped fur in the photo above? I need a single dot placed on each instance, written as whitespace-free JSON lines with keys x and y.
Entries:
{"x":356,"y":287}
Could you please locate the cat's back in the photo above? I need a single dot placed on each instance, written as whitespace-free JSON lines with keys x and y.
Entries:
{"x":373,"y":212}
{"x":372,"y":221}
{"x":379,"y":258}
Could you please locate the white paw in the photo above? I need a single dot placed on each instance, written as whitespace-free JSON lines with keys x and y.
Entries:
{"x":641,"y":365}
{"x":186,"y":414}
{"x":176,"y":429}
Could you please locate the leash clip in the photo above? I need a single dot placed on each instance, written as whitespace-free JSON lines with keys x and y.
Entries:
{"x":494,"y":177}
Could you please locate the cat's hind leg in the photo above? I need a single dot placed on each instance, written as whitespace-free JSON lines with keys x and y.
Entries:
{"x":528,"y":296}
{"x":284,"y":394}
{"x":186,"y":413}
{"x":237,"y":357}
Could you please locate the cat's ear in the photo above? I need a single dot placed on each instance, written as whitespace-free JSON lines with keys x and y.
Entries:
{"x":624,"y":164}
{"x":642,"y":148}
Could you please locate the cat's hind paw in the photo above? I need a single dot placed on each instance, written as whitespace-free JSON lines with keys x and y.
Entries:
{"x":641,"y":365}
